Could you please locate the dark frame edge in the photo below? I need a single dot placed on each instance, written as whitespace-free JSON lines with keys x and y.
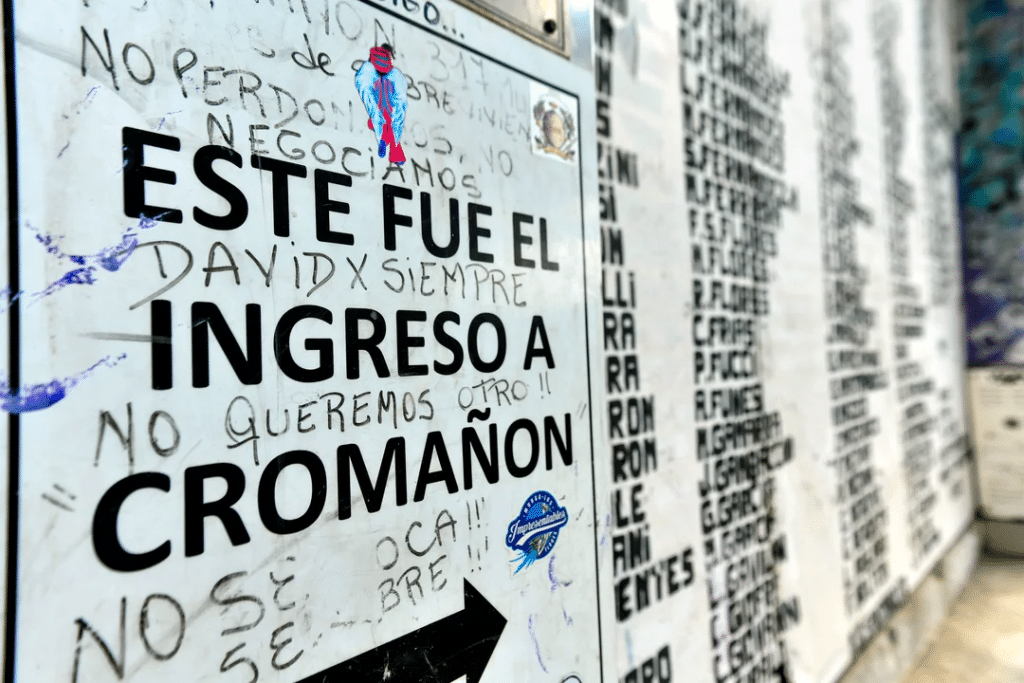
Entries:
{"x":14,"y":348}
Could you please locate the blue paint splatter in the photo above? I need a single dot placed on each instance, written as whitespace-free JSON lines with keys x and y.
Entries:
{"x":6,"y":300}
{"x":109,"y":259}
{"x":78,"y":276}
{"x":536,"y":645}
{"x":41,"y":396}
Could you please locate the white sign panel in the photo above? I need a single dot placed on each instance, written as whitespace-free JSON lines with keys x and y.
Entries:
{"x":303,"y":352}
{"x":777,"y":296}
{"x":660,"y":632}
{"x":997,"y":415}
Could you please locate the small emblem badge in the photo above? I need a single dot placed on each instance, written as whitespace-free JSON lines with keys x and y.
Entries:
{"x":534,"y":532}
{"x":553,"y":130}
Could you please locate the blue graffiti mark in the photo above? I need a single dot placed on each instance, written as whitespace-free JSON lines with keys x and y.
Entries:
{"x":991,"y":182}
{"x":78,"y":276}
{"x":91,"y":95}
{"x":41,"y":396}
{"x":555,"y":583}
{"x":6,"y":300}
{"x":86,"y":101}
{"x":607,"y":528}
{"x":536,"y":645}
{"x":110,"y":259}
{"x":163,"y":119}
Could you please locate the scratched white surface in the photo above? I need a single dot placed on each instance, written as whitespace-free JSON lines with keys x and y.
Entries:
{"x":288,"y":606}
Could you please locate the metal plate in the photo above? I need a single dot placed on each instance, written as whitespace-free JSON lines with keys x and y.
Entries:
{"x":542,"y":21}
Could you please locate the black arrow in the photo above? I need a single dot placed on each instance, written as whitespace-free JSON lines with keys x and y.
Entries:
{"x":458,"y":645}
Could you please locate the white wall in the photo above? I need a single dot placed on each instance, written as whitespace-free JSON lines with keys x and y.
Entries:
{"x":594,"y":332}
{"x":858,"y":341}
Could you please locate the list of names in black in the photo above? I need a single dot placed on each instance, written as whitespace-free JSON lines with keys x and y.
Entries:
{"x":854,"y":362}
{"x":913,"y":385}
{"x":939,"y":130}
{"x":735,"y":193}
{"x":642,"y":579}
{"x":939,"y":125}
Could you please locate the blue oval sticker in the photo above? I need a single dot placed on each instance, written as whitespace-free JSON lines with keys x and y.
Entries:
{"x":534,"y":532}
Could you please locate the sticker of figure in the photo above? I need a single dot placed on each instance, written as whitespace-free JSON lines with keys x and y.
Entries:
{"x":384,"y":92}
{"x":553,"y":129}
{"x":534,"y":532}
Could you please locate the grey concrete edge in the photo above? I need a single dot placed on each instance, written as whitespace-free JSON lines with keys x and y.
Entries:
{"x":1005,"y":536}
{"x":896,"y":649}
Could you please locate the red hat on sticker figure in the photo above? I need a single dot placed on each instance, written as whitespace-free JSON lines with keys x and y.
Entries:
{"x":384,"y":92}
